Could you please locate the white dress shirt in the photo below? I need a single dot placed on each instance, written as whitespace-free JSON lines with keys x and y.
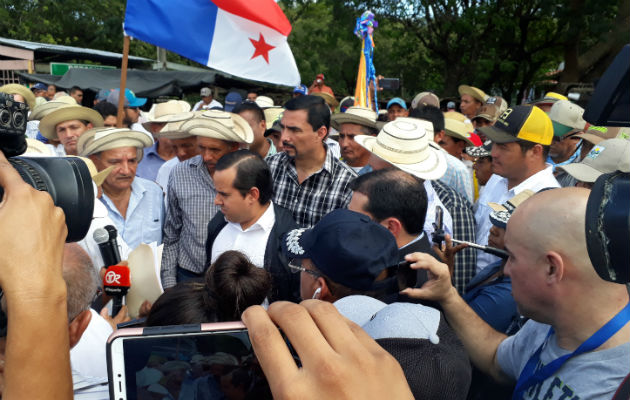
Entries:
{"x":252,"y":241}
{"x":496,"y":191}
{"x":88,"y":357}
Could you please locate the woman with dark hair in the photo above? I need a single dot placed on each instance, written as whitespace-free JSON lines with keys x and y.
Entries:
{"x":232,"y":283}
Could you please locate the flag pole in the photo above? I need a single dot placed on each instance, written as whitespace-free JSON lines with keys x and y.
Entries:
{"x":123,"y":82}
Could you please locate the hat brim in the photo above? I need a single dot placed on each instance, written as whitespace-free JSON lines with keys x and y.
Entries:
{"x":560,"y":130}
{"x":69,"y":113}
{"x":431,"y":168}
{"x":591,"y":138}
{"x":497,"y":135}
{"x":582,"y":172}
{"x":100,"y":177}
{"x":14,"y":88}
{"x":459,"y":136}
{"x":473,"y":92}
{"x":345,"y":118}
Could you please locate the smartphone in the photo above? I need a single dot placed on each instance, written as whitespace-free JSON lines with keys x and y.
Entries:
{"x":389,"y":83}
{"x":206,"y":361}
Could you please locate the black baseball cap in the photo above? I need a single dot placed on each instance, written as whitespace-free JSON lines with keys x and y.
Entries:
{"x":346,"y":246}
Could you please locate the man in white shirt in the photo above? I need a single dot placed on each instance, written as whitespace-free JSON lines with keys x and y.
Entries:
{"x":207,"y":101}
{"x":521,"y":138}
{"x":249,"y":222}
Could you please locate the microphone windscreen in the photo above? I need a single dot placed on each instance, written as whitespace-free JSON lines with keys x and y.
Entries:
{"x":117,"y":275}
{"x":100,"y":236}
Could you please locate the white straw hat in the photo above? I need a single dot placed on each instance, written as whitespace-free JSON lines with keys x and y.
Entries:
{"x":162,"y":112}
{"x":407,"y":144}
{"x":100,"y":139}
{"x":221,"y":125}
{"x":68,"y":113}
{"x":355,"y":115}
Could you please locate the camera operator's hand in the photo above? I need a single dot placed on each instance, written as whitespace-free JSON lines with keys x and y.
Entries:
{"x":439,"y":287}
{"x":122,"y":316}
{"x":446,"y":251}
{"x":339,"y":360}
{"x":32,"y":235}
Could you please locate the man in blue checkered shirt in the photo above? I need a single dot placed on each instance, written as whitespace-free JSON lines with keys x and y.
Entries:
{"x":307,"y":178}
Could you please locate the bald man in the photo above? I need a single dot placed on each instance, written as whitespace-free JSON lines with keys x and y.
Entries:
{"x":555,"y":285}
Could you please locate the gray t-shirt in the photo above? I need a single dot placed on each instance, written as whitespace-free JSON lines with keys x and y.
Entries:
{"x":593,"y":375}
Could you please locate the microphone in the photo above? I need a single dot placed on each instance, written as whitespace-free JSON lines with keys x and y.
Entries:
{"x":108,"y":245}
{"x":116,"y":283}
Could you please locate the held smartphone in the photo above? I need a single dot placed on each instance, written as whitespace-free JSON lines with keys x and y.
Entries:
{"x":389,"y":83}
{"x":206,"y":361}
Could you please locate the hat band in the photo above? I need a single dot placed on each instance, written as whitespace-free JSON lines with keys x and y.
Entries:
{"x":399,"y":151}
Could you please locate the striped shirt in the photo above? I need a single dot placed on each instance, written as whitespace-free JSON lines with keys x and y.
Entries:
{"x":322,"y":192}
{"x":191,"y":194}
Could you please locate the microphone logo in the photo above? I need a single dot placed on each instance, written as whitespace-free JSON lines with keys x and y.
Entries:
{"x":112,"y":277}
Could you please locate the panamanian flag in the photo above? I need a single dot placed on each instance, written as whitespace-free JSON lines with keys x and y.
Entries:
{"x":246,"y":38}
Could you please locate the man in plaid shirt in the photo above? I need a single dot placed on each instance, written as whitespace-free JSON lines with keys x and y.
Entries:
{"x":307,"y":178}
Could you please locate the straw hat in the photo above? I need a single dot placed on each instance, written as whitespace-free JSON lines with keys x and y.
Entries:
{"x":172,"y":129}
{"x":68,"y":113}
{"x":355,"y":115}
{"x":425,"y":99}
{"x":14,"y":88}
{"x":406,"y":143}
{"x":328,"y":98}
{"x":455,"y":115}
{"x":46,"y":108}
{"x":97,"y":177}
{"x":264,"y":102}
{"x":458,"y":130}
{"x":162,"y":112}
{"x":474,"y":92}
{"x":272,"y":114}
{"x":36,"y":148}
{"x":221,"y":125}
{"x":100,"y":139}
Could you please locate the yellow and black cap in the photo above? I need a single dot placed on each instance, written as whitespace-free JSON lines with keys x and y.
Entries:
{"x":521,"y":123}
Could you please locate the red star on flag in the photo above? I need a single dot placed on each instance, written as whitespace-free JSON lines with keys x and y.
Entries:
{"x":261,"y":47}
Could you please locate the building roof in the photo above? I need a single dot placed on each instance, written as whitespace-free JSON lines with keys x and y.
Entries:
{"x":69,"y":51}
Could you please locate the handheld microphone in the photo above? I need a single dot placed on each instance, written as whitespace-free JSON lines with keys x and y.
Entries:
{"x":108,"y":245}
{"x":116,"y":283}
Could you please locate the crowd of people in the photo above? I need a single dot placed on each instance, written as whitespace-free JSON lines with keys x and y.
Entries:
{"x":438,"y":254}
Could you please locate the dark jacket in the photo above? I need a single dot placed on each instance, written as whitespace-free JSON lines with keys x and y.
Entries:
{"x":285,"y":285}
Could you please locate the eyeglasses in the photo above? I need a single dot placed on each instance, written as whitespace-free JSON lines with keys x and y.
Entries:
{"x":295,"y":266}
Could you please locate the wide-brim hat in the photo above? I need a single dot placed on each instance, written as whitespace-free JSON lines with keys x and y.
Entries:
{"x":458,"y":130}
{"x":14,"y":88}
{"x":472,"y":91}
{"x":46,"y":108}
{"x":455,"y":115}
{"x":328,"y":99}
{"x":97,"y":177}
{"x":173,"y":127}
{"x":264,"y":102}
{"x":271,"y":115}
{"x":38,"y":149}
{"x":162,"y":112}
{"x":68,"y":113}
{"x":355,"y":115}
{"x":221,"y":125}
{"x":407,"y":144}
{"x":101,"y":139}
{"x":596,"y":134}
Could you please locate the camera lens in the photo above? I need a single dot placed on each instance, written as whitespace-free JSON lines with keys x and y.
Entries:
{"x":5,"y":117}
{"x":68,"y":182}
{"x":18,"y":120}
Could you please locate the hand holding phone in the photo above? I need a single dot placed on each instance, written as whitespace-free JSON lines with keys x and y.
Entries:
{"x":339,"y":360}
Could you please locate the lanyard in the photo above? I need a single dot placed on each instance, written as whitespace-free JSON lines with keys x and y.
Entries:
{"x":529,"y":376}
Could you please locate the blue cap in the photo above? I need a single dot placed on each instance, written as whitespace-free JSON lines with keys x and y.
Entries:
{"x":347,"y":247}
{"x":301,"y":89}
{"x":130,"y":98}
{"x":397,"y":100}
{"x":39,"y":86}
{"x":232,"y":100}
{"x":102,"y":94}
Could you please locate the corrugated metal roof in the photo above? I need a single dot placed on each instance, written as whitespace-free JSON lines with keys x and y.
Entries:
{"x":59,"y":49}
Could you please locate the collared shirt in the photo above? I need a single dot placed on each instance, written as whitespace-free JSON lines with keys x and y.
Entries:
{"x":463,"y":229}
{"x":252,"y":241}
{"x":319,"y":194}
{"x":201,"y":106}
{"x":165,"y":172}
{"x":145,"y":214}
{"x":272,"y":149}
{"x":574,"y":158}
{"x":150,"y":164}
{"x":191,"y":194}
{"x":459,"y":177}
{"x":496,"y":191}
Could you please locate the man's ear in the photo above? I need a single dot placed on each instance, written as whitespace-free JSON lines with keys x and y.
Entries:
{"x":322,"y":132}
{"x":254,"y":193}
{"x":325,"y":293}
{"x":555,"y":267}
{"x":78,"y":325}
{"x":393,"y":225}
{"x":437,"y":136}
